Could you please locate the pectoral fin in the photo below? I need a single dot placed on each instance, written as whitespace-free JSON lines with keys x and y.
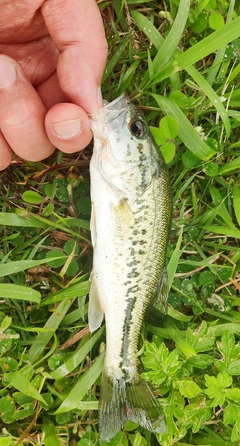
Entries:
{"x":95,"y":311}
{"x":123,"y":216}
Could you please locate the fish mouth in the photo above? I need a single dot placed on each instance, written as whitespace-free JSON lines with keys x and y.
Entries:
{"x":117,"y":106}
{"x":115,"y":113}
{"x":111,"y":115}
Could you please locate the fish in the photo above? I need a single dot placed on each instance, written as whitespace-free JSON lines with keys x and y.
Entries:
{"x":130,"y":224}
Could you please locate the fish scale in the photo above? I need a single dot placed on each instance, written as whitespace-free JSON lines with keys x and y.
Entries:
{"x":131,"y":215}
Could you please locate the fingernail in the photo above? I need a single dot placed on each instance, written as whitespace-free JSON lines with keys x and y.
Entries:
{"x":68,"y":129}
{"x":7,"y":72}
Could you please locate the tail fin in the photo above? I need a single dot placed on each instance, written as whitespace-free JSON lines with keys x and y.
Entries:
{"x":128,"y":400}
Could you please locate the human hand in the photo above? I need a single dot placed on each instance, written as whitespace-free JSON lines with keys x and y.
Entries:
{"x":52,"y":57}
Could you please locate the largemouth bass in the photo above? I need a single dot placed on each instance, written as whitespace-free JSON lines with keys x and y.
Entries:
{"x":130,"y":220}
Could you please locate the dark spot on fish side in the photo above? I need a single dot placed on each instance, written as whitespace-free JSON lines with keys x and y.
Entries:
{"x":132,"y":263}
{"x":132,"y":289}
{"x":133,"y":273}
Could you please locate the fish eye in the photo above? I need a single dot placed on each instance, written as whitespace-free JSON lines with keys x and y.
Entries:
{"x":137,"y":128}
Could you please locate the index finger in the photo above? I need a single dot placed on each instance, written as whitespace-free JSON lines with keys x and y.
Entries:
{"x":77,"y":29}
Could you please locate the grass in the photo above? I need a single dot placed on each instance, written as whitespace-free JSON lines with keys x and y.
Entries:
{"x":180,"y":61}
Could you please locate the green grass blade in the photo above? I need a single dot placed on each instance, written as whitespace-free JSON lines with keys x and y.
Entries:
{"x":19,"y":292}
{"x":177,"y":315}
{"x":128,"y":76}
{"x":82,"y":386}
{"x":50,"y":435}
{"x":187,"y":133}
{"x":198,"y":263}
{"x":220,"y":329}
{"x":88,"y":405}
{"x":234,"y":73}
{"x":214,"y":98}
{"x":223,"y":230}
{"x":77,"y":357}
{"x":148,"y":28}
{"x":116,"y":56}
{"x":41,"y":222}
{"x":36,"y":248}
{"x":220,"y":206}
{"x":206,"y":46}
{"x":230,"y":167}
{"x":171,"y":42}
{"x":173,"y":262}
{"x":21,"y":265}
{"x":77,"y":222}
{"x":216,"y":66}
{"x":236,"y":203}
{"x":31,"y":242}
{"x":79,"y":289}
{"x":165,"y":47}
{"x":24,"y":218}
{"x":51,"y":325}
{"x":210,"y":44}
{"x":21,"y":383}
{"x":11,"y":219}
